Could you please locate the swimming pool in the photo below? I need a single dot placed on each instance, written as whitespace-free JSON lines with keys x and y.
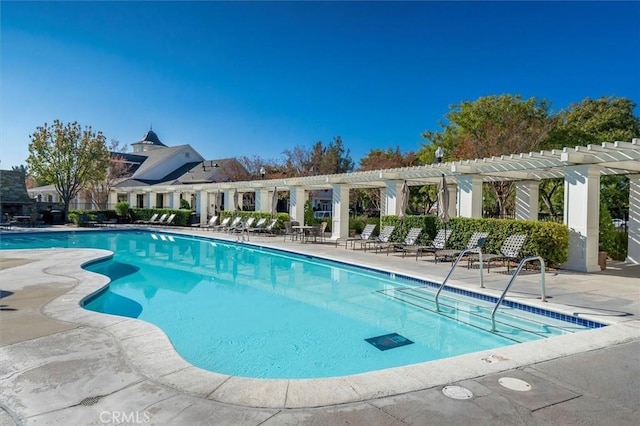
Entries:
{"x":254,"y":312}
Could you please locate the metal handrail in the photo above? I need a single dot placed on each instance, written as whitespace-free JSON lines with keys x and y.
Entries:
{"x":513,"y":277}
{"x":453,"y":266}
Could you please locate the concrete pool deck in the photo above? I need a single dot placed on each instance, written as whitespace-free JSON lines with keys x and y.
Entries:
{"x":60,"y":364}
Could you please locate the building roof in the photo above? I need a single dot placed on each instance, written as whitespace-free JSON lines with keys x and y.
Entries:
{"x":133,"y":160}
{"x":210,"y":171}
{"x":150,"y":138}
{"x":157,"y":156}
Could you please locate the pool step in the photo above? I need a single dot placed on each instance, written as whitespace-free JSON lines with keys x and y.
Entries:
{"x":507,"y":315}
{"x":509,"y":326}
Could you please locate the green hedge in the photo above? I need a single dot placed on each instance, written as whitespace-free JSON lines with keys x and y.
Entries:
{"x":429,"y":225}
{"x":91,"y":215}
{"x":357,"y":223}
{"x":549,"y":240}
{"x":181,"y":219}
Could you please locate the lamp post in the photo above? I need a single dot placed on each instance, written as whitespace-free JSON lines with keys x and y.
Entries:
{"x":439,"y":154}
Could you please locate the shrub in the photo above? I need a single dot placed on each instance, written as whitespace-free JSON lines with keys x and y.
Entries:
{"x":184,"y":204}
{"x":607,"y":232}
{"x":92,"y":215}
{"x":548,"y":240}
{"x":181,"y":219}
{"x":357,"y":223}
{"x":122,"y":208}
{"x":619,"y":248}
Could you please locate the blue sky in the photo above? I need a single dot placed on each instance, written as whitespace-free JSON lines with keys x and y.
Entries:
{"x":244,"y":78}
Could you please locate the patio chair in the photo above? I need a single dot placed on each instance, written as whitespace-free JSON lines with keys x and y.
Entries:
{"x":225,"y":222}
{"x":381,"y":240}
{"x":510,"y":251}
{"x":317,"y":233}
{"x":7,"y":225}
{"x":234,"y":224}
{"x":271,"y":227}
{"x":290,"y":232}
{"x":85,"y":220}
{"x":410,"y":242}
{"x":153,"y":218}
{"x":259,"y":226}
{"x":168,"y":221}
{"x":475,"y":242}
{"x":241,"y":226}
{"x":158,"y":221}
{"x":438,"y":243}
{"x":210,"y":224}
{"x":366,"y":235}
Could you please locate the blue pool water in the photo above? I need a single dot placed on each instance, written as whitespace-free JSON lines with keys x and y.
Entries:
{"x":255,"y":312}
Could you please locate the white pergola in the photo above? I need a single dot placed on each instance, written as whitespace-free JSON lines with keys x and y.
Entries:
{"x":580,"y":167}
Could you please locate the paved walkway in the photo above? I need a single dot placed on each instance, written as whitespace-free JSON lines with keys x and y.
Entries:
{"x":60,"y":364}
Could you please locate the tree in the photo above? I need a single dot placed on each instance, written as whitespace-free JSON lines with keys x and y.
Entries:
{"x":297,"y":162}
{"x":335,"y":158}
{"x":319,"y":160}
{"x":68,"y":157}
{"x":491,"y":126}
{"x":593,"y":121}
{"x":255,"y":164}
{"x":387,"y":159}
{"x":98,"y":189}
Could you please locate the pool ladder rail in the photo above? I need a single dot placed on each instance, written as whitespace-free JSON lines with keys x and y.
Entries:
{"x":513,"y":278}
{"x":506,"y":289}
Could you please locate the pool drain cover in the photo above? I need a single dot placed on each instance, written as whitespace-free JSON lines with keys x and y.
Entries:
{"x":457,"y":392}
{"x":389,"y":341}
{"x":514,"y":384}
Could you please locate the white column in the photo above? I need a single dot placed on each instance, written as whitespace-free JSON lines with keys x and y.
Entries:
{"x":174,"y":202}
{"x":453,"y":199}
{"x":390,"y":197}
{"x":340,"y":224}
{"x":131,"y":199}
{"x":470,"y":196}
{"x":527,"y":193}
{"x":262,"y":200}
{"x":582,"y":216}
{"x":633,"y":244}
{"x":112,"y":200}
{"x":202,"y":202}
{"x":228,"y":199}
{"x":150,"y":200}
{"x":297,"y":198}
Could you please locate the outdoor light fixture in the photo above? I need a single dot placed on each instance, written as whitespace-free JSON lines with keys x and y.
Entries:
{"x":439,"y":154}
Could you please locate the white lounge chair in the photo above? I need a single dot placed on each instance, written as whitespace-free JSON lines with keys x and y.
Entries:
{"x":152,"y":219}
{"x":366,"y":235}
{"x":210,"y":224}
{"x":225,"y":223}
